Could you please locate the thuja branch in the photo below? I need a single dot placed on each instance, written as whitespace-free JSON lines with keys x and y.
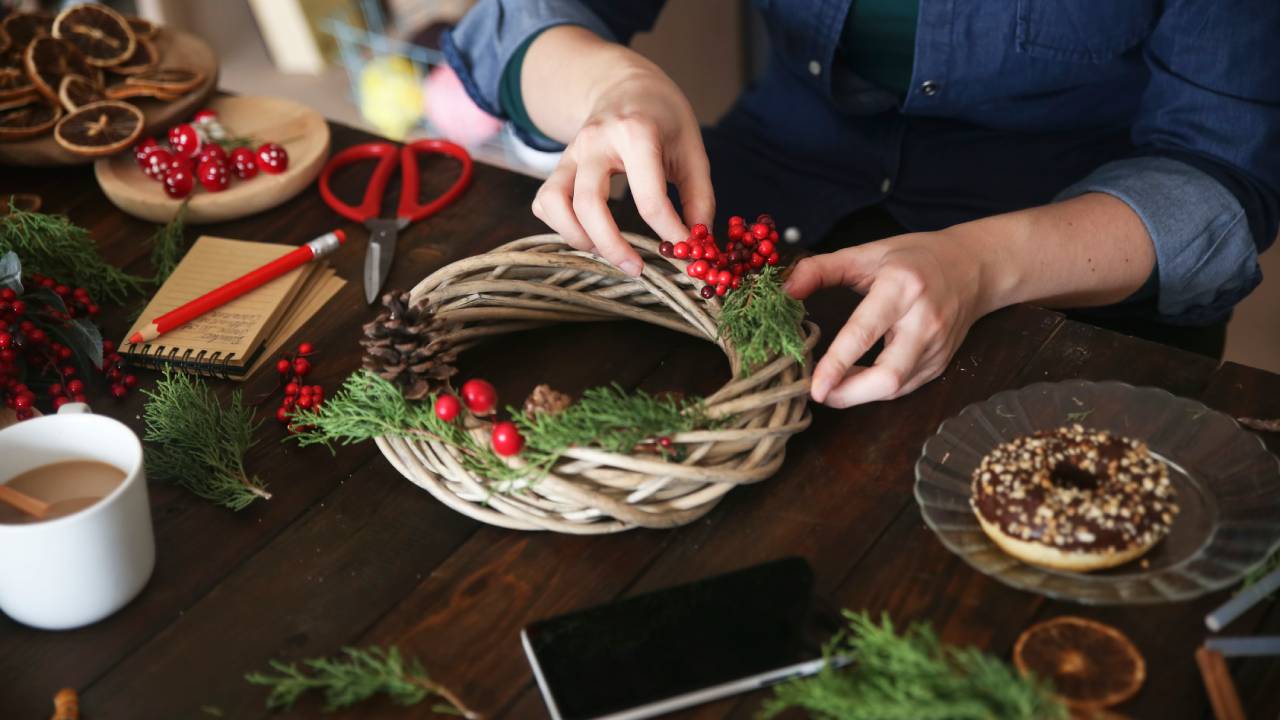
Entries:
{"x":53,"y":245}
{"x":912,"y":675}
{"x":613,"y":419}
{"x":198,"y":443}
{"x":354,"y":676}
{"x":168,"y":244}
{"x":762,"y":321}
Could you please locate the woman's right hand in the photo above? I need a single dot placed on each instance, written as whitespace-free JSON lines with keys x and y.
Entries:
{"x":636,"y":122}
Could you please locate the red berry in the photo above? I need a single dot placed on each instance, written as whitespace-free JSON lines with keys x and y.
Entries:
{"x":60,"y":401}
{"x":707,"y":292}
{"x":283,"y":366}
{"x":178,"y":182}
{"x":724,"y":277}
{"x":68,"y":371}
{"x":92,"y":309}
{"x":773,"y":259}
{"x":243,"y":163}
{"x":722,"y":289}
{"x":736,"y":220}
{"x":709,"y":251}
{"x":681,"y":250}
{"x":760,"y":231}
{"x":304,"y":391}
{"x":212,"y":150}
{"x":80,"y":397}
{"x":291,"y":389}
{"x":695,"y":251}
{"x":282,"y":415}
{"x":506,"y":437}
{"x":479,"y":396}
{"x":665,"y":249}
{"x":119,"y":391}
{"x":21,"y":402}
{"x":5,"y":341}
{"x":75,"y":387}
{"x":131,"y":381}
{"x":213,"y":174}
{"x":55,"y":389}
{"x":305,"y":402}
{"x":447,"y":407}
{"x":699,"y":231}
{"x":205,"y":115}
{"x":306,"y":348}
{"x":288,"y":403}
{"x":7,"y":294}
{"x":765,"y":248}
{"x":157,"y":163}
{"x":184,"y":140}
{"x":735,"y":234}
{"x":301,"y":367}
{"x":664,"y":441}
{"x":736,"y":282}
{"x":765,"y":219}
{"x":108,"y":347}
{"x":272,"y":158}
{"x":142,"y":150}
{"x":698,"y":268}
{"x":757,"y":262}
{"x":26,"y":414}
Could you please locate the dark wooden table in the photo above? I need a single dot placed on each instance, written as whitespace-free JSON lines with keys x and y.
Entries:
{"x":350,"y":553}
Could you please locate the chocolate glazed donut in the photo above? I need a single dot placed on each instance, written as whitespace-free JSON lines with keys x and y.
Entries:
{"x":1073,"y":499}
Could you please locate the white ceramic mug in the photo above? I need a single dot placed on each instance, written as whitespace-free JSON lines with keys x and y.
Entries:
{"x":75,"y":570}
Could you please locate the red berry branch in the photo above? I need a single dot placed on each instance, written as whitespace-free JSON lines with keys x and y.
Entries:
{"x":749,"y":248}
{"x":293,"y":368}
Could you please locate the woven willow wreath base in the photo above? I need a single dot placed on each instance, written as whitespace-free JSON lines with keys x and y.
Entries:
{"x":539,"y":281}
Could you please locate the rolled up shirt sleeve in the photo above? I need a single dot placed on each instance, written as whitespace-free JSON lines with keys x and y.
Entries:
{"x":1206,"y":258}
{"x":482,"y":44}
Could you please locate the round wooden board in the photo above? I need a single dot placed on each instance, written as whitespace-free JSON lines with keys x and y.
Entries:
{"x":302,"y":131}
{"x":177,"y":49}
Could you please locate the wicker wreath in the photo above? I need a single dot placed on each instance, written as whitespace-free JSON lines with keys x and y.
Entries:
{"x":540,"y":280}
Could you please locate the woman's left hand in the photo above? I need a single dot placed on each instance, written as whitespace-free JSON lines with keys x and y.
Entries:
{"x":922,"y":292}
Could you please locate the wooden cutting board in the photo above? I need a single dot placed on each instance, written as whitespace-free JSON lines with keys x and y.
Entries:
{"x":177,"y":49}
{"x":302,"y":131}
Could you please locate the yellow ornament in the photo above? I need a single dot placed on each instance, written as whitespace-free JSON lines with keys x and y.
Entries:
{"x":391,"y":95}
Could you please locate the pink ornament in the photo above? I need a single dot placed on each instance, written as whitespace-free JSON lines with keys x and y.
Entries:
{"x":451,"y":111}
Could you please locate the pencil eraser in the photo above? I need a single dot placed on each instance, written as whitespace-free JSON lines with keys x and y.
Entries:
{"x":342,"y":237}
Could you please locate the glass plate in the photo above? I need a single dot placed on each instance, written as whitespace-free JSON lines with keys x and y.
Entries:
{"x":1228,"y":488}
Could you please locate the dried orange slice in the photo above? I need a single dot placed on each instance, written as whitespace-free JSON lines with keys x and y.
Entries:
{"x":28,"y":120}
{"x":49,"y":59}
{"x":144,"y":57}
{"x":100,"y":128}
{"x":1092,"y":665}
{"x":22,"y":28}
{"x":14,"y":81}
{"x":142,"y":28}
{"x":169,"y":80}
{"x":76,"y":91}
{"x":99,"y":32}
{"x":20,"y":101}
{"x":122,"y":91}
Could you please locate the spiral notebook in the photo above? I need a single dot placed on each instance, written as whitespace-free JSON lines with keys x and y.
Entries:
{"x":237,"y":338}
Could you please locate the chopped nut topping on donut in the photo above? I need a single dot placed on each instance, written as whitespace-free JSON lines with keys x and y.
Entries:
{"x":1076,"y":489}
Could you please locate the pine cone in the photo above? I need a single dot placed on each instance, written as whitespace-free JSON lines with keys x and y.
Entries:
{"x":544,"y":399}
{"x":408,"y":346}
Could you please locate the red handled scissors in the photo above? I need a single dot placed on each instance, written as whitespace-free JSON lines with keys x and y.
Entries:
{"x":383,"y":231}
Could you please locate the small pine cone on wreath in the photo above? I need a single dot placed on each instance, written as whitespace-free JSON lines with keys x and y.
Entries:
{"x":408,"y":346}
{"x":544,"y":399}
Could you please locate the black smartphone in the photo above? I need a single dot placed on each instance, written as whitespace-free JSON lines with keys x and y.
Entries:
{"x":671,"y":649}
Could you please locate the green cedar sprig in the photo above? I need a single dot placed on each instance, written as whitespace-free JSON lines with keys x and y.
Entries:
{"x":912,"y":675}
{"x":761,"y":320}
{"x":53,"y":245}
{"x":368,"y":407}
{"x":354,"y":676}
{"x":168,"y":244}
{"x":198,"y":443}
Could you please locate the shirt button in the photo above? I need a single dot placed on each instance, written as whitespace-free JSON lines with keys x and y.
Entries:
{"x":930,"y":88}
{"x":885,"y":184}
{"x":815,"y":68}
{"x":791,"y":235}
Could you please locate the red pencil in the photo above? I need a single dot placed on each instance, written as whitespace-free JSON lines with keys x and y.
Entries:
{"x":184,"y":314}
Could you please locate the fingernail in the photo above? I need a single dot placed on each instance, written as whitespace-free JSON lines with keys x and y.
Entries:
{"x":630,"y":267}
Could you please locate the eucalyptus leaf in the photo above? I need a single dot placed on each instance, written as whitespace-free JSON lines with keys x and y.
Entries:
{"x":11,"y":272}
{"x":81,"y":335}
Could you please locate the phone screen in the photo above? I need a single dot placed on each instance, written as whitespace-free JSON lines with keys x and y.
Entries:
{"x":669,"y":643}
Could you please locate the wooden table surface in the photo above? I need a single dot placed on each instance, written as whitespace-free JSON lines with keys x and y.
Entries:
{"x":349,"y":553}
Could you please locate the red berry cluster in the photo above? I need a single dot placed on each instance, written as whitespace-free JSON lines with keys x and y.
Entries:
{"x":26,"y":348}
{"x":748,"y":250}
{"x":482,"y":399}
{"x":195,"y":151}
{"x":293,"y":369}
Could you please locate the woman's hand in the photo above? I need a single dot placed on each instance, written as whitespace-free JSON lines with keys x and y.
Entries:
{"x":636,"y":122}
{"x":922,"y":293}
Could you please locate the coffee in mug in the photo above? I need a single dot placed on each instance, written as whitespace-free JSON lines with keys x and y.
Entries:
{"x":68,"y":487}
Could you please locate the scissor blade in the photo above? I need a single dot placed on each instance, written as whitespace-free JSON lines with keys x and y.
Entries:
{"x":377,"y":258}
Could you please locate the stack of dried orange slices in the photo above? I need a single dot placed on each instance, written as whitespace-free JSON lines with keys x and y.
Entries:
{"x":71,"y":74}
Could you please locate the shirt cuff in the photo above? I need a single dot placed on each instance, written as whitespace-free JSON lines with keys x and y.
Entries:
{"x":482,"y":44}
{"x":1205,"y":255}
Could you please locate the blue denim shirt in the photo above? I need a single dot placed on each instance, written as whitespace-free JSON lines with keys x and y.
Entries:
{"x":1173,"y":107}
